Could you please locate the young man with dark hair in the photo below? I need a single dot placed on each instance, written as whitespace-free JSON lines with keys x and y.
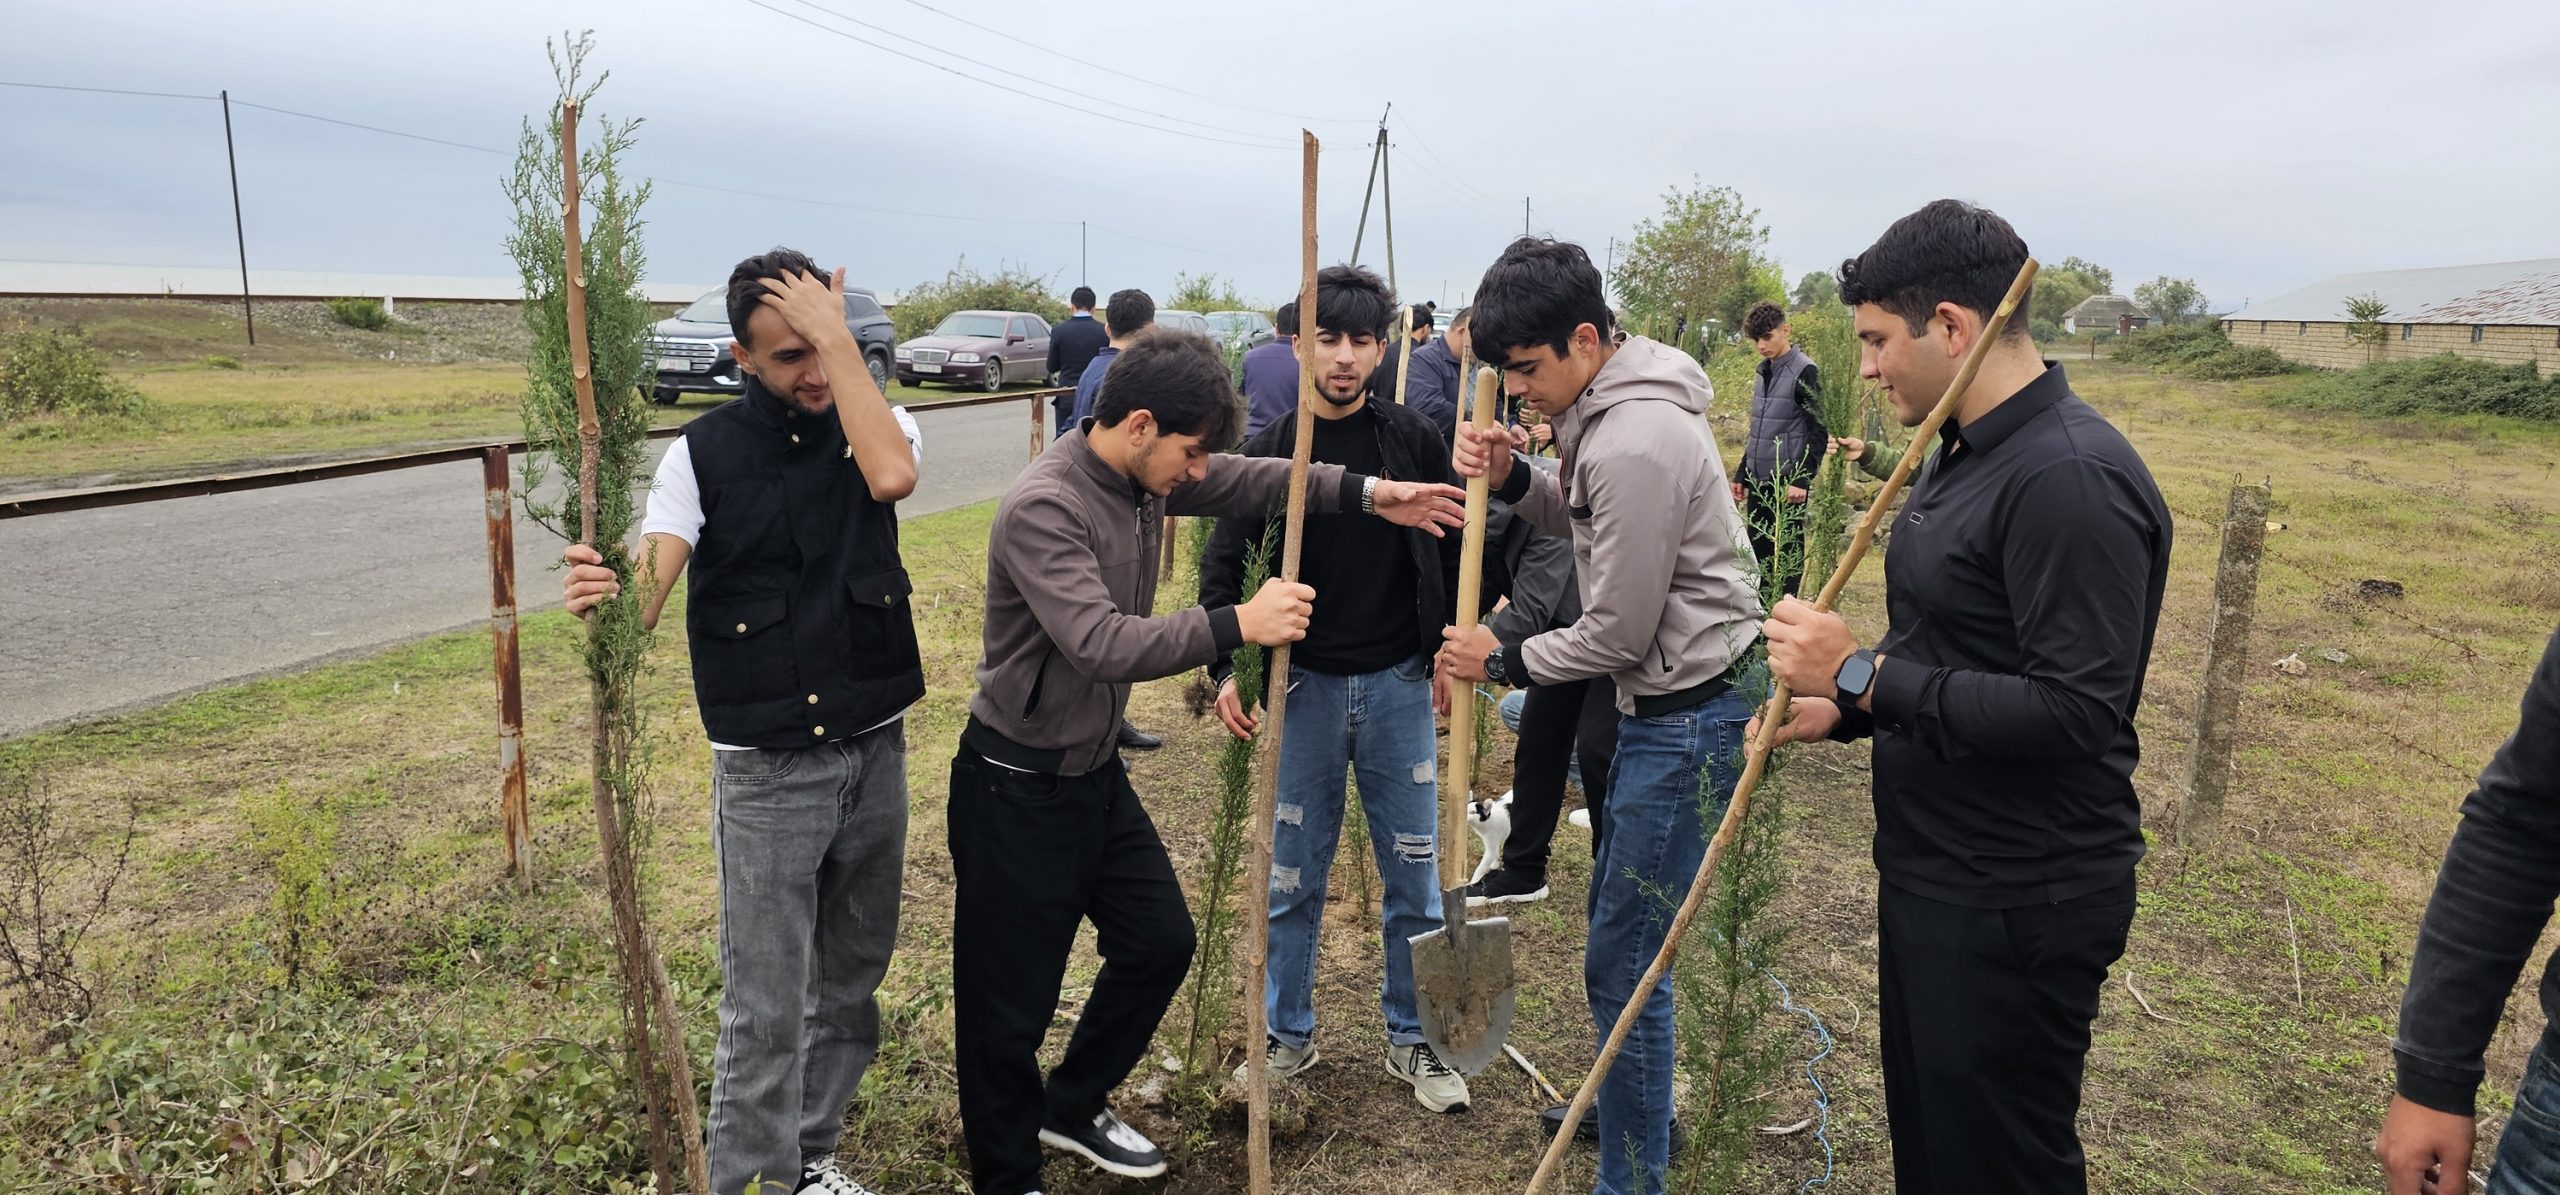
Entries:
{"x":1668,"y":613}
{"x":1072,"y":346}
{"x":1785,"y":441}
{"x":1045,"y":831}
{"x":1271,"y":374}
{"x":2021,"y":595}
{"x":1129,"y":313}
{"x":1435,"y":391}
{"x":780,"y":507}
{"x":2492,"y":901}
{"x":1359,"y":689}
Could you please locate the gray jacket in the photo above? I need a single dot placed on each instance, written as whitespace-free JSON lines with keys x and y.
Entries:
{"x":1537,"y":574}
{"x":1667,"y":601}
{"x":1786,"y":437}
{"x":1071,"y":579}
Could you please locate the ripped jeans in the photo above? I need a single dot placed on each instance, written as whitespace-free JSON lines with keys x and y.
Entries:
{"x":1379,"y":723}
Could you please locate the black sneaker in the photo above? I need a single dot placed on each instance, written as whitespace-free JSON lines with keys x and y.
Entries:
{"x":1108,"y":1142}
{"x":825,"y":1178}
{"x":1503,"y":886}
{"x":1134,"y":739}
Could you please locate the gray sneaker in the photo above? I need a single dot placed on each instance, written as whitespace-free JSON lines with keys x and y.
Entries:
{"x":1284,"y":1061}
{"x":1435,"y":1086}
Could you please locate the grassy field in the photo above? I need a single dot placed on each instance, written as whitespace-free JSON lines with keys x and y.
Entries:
{"x":2272,"y":960}
{"x":311,"y":390}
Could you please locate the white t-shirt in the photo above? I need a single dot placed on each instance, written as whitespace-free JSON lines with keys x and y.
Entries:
{"x":675,"y":508}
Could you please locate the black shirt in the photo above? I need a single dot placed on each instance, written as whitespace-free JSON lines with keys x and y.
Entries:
{"x":2023,"y":585}
{"x":1362,"y":574}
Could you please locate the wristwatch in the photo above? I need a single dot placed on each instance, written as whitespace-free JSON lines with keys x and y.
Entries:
{"x":1857,"y":674}
{"x":1493,"y":670}
{"x":1369,"y":496}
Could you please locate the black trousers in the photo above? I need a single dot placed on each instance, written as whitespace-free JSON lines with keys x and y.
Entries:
{"x":1986,"y":1016}
{"x":1558,"y":722}
{"x":1762,"y":519}
{"x":1034,"y":855}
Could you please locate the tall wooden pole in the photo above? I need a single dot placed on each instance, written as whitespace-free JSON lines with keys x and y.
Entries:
{"x":239,"y":230}
{"x":1756,"y":762}
{"x":515,"y":817}
{"x":1257,"y":1070}
{"x":2235,"y":606}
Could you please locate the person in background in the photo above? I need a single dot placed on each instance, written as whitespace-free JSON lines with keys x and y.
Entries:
{"x":2492,"y":900}
{"x":1436,"y":391}
{"x":1130,"y":312}
{"x":1785,"y":442}
{"x":1270,"y":381}
{"x":1072,"y":346}
{"x":1382,"y":383}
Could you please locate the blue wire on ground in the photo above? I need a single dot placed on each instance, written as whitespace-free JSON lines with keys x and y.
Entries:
{"x":1821,"y":1094}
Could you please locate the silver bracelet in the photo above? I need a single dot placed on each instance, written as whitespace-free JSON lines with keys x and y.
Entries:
{"x":1369,"y":496}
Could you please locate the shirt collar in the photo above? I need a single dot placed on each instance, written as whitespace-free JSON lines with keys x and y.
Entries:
{"x":772,"y":412}
{"x":1999,"y":423}
{"x":1091,"y":462}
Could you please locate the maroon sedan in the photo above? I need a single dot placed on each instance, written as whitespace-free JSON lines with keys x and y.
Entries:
{"x":978,"y":348}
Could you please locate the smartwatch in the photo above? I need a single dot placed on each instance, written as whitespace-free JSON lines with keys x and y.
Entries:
{"x":1857,"y":674}
{"x":1493,"y":670}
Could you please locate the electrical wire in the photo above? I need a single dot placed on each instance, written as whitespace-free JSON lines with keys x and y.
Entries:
{"x":960,"y":74}
{"x":888,"y":32}
{"x":1821,"y":1094}
{"x":1134,"y":78}
{"x":164,"y":95}
{"x":1408,"y":130}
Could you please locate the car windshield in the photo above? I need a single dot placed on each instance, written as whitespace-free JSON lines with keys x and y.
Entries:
{"x":969,"y":324}
{"x":1229,"y":321}
{"x":712,"y":308}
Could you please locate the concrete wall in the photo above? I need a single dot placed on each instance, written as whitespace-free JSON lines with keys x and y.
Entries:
{"x":2325,"y":343}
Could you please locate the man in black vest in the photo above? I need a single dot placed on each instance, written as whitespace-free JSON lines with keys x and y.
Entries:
{"x":804,"y":664}
{"x":1785,"y":443}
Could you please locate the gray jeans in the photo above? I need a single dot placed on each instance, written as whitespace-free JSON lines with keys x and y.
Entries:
{"x":810,"y":844}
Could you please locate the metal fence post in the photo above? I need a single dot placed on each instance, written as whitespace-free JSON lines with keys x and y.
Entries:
{"x":2226,"y":662}
{"x":514,"y":815}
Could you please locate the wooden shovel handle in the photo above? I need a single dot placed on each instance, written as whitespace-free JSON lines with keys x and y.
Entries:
{"x":1462,"y":699}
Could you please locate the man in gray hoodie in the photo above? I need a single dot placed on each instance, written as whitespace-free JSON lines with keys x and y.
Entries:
{"x":1668,"y":613}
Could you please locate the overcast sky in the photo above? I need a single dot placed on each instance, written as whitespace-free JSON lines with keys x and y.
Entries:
{"x":2255,"y":147}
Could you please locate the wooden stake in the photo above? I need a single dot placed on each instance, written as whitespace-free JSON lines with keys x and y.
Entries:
{"x":1257,"y":923}
{"x":1757,"y":763}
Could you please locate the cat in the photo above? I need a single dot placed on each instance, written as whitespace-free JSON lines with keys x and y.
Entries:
{"x":1491,"y":820}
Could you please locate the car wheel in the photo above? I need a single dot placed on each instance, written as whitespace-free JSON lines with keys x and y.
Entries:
{"x":664,"y":398}
{"x":879,"y":371}
{"x":995,"y":375}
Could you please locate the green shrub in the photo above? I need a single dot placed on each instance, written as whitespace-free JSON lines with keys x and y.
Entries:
{"x":963,"y":289}
{"x":2173,"y":344}
{"x":46,"y":371}
{"x":219,"y":361}
{"x":2045,"y":330}
{"x":364,"y":314}
{"x":2240,"y":361}
{"x":2444,"y":384}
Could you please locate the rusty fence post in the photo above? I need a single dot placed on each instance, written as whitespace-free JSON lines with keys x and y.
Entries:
{"x":1037,"y":427}
{"x":515,"y":817}
{"x":2226,"y":663}
{"x":1172,"y":536}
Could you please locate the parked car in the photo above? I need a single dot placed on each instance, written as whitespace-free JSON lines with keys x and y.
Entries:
{"x":1187,"y":321}
{"x":978,"y":348}
{"x":1243,"y":329}
{"x":692,"y":346}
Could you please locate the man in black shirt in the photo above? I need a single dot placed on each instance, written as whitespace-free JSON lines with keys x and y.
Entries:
{"x":1359,"y":688}
{"x":1072,"y":346}
{"x":2022,"y":590}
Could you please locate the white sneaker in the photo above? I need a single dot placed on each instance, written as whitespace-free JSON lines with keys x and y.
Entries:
{"x":825,"y":1179}
{"x":1580,"y":818}
{"x":1285,"y":1062}
{"x":1435,"y":1086}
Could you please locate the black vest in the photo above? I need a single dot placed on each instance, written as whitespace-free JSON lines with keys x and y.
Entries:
{"x":797,"y":612}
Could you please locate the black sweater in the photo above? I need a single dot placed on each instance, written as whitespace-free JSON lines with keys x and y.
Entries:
{"x":2493,"y":896}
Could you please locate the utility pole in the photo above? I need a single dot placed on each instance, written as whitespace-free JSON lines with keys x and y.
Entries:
{"x":239,"y":231}
{"x":1080,"y":255}
{"x":1524,"y":215}
{"x":1377,"y":154}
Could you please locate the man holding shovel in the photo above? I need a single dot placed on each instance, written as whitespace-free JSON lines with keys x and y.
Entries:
{"x":2021,"y":589}
{"x":781,"y":505}
{"x":1359,"y":689}
{"x":1045,"y":830}
{"x":1668,"y":611}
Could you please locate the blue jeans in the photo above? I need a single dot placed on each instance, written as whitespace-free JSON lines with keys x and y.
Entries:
{"x":1673,"y":776}
{"x":1379,"y":723}
{"x":2529,"y":1150}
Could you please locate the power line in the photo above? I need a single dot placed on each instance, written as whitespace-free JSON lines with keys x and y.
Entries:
{"x":886,"y":31}
{"x":1425,"y":146}
{"x":1131,"y":236}
{"x":1133,"y":78}
{"x":483,"y":149}
{"x":1268,"y":144}
{"x":163,"y":95}
{"x":1441,"y":183}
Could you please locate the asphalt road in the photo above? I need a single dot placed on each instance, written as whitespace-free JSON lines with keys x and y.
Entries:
{"x":107,"y":610}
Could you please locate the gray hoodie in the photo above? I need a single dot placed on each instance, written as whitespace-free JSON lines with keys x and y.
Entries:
{"x":1667,"y":603}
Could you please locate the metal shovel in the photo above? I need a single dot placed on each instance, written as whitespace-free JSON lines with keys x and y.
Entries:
{"x":1462,"y":971}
